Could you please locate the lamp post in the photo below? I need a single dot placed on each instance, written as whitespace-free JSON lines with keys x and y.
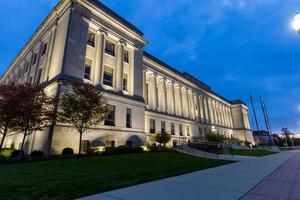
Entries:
{"x":296,"y":23}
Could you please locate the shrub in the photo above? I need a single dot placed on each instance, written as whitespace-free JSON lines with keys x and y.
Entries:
{"x":162,"y":138}
{"x":67,"y":152}
{"x":17,"y":154}
{"x":110,"y":151}
{"x":37,"y":153}
{"x":6,"y":153}
{"x":137,"y":150}
{"x":123,"y":149}
{"x":215,"y":137}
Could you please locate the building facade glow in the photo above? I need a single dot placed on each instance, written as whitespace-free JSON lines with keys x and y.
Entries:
{"x":84,"y":41}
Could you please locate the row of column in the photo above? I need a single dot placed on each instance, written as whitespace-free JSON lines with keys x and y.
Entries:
{"x":169,"y":97}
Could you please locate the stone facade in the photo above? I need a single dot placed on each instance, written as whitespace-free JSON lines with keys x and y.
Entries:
{"x":84,"y":41}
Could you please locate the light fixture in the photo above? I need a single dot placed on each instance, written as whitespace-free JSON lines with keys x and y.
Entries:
{"x":296,"y":23}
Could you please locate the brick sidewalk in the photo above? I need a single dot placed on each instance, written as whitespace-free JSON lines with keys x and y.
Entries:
{"x":282,"y":184}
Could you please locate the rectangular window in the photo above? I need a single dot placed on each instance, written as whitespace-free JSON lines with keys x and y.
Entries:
{"x":152,"y":126}
{"x":85,"y":145}
{"x":108,"y":76}
{"x":128,"y":118}
{"x":34,"y":58}
{"x":180,"y":130}
{"x":188,"y":131}
{"x":26,"y":64}
{"x":110,"y":48}
{"x":163,"y":126}
{"x":30,"y":80}
{"x":91,"y":39}
{"x":172,"y":128}
{"x":147,"y":93}
{"x":110,"y":120}
{"x":125,"y":82}
{"x":87,"y":68}
{"x":126,"y":56}
{"x":44,"y":49}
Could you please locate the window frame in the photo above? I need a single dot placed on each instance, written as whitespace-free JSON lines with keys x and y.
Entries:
{"x":152,"y":129}
{"x":105,"y":81}
{"x":110,"y":121}
{"x":128,"y":118}
{"x":126,"y":56}
{"x":111,"y":52}
{"x":85,"y":67}
{"x":91,"y":43}
{"x":172,"y":127}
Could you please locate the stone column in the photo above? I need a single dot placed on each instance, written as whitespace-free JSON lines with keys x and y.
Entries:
{"x":181,"y":103}
{"x":155,"y":92}
{"x":166,"y":95}
{"x":201,"y":108}
{"x":173,"y":92}
{"x":188,"y":103}
{"x":230,"y":117}
{"x":120,"y":66}
{"x":100,"y":47}
{"x":211,"y":111}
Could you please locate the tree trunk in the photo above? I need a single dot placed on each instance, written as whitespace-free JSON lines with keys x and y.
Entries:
{"x":80,"y":138}
{"x":23,"y":141}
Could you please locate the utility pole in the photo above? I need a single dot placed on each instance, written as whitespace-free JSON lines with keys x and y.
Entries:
{"x":255,"y":117}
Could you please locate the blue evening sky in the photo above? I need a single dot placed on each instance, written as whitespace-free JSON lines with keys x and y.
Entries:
{"x":235,"y":46}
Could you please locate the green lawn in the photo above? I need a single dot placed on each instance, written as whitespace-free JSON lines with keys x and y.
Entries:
{"x":78,"y":177}
{"x":252,"y":152}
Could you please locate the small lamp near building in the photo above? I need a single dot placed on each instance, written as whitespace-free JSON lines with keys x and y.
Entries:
{"x":296,"y":23}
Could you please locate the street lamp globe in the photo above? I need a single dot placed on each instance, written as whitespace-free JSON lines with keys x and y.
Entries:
{"x":296,"y":23}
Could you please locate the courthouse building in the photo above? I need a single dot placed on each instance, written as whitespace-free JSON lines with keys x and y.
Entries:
{"x":84,"y":41}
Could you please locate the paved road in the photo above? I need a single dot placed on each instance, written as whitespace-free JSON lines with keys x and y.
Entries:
{"x":283,"y":184}
{"x":227,"y":182}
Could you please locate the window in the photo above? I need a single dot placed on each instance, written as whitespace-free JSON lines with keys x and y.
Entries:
{"x":128,"y":118}
{"x":147,"y":94}
{"x":180,"y":130}
{"x":87,"y":68}
{"x":44,"y":49}
{"x":30,"y":80}
{"x":152,"y":126}
{"x":188,"y":131}
{"x":20,"y":73}
{"x":91,"y":39}
{"x":172,"y":128}
{"x":126,"y":56}
{"x":108,"y":76}
{"x":39,"y":75}
{"x":125,"y":82}
{"x":111,"y":143}
{"x":110,"y":120}
{"x":110,"y":48}
{"x":34,"y":58}
{"x":85,"y":145}
{"x":26,"y":64}
{"x":163,"y":126}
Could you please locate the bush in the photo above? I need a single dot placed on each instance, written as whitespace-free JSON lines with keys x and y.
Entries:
{"x":215,"y":137}
{"x":37,"y":153}
{"x":6,"y":153}
{"x":17,"y":154}
{"x":67,"y":152}
{"x":110,"y":151}
{"x":123,"y":149}
{"x":137,"y":150}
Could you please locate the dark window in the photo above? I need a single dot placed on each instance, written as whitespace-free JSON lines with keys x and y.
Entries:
{"x":20,"y":73}
{"x":91,"y":39}
{"x":126,"y":56}
{"x":152,"y":126}
{"x":108,"y":76}
{"x":85,"y":145}
{"x":110,"y":48}
{"x":180,"y":130}
{"x":44,"y":49}
{"x":110,"y":120}
{"x":125,"y":82}
{"x":147,"y":94}
{"x":163,"y":126}
{"x":30,"y":80}
{"x":172,"y":128}
{"x":87,"y":68}
{"x":128,"y":118}
{"x":26,"y":64}
{"x":34,"y":58}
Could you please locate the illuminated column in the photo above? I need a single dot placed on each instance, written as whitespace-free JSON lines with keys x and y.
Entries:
{"x":211,"y":111}
{"x":205,"y":110}
{"x":188,"y":103}
{"x":155,"y":105}
{"x":181,"y":103}
{"x":227,"y":116}
{"x":120,"y":66}
{"x":100,"y":46}
{"x":173,"y":96}
{"x":194,"y":106}
{"x":230,"y":117}
{"x":166,"y":95}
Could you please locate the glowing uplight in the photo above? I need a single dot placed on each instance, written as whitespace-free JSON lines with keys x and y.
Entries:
{"x":296,"y":23}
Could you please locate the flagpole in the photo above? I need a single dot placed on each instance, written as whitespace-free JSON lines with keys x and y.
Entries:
{"x":255,"y":117}
{"x":268,"y":121}
{"x":265,"y":116}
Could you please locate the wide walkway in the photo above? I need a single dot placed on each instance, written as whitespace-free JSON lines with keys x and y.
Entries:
{"x":283,"y":184}
{"x":226,"y":182}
